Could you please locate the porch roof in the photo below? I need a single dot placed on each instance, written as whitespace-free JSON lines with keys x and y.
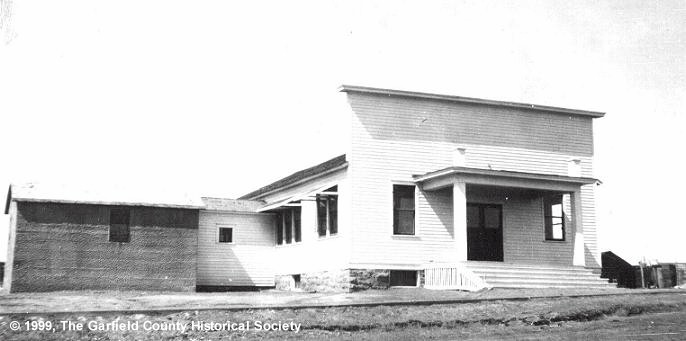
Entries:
{"x":447,"y":176}
{"x":296,"y":197}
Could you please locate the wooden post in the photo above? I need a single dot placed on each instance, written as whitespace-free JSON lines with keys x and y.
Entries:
{"x":460,"y":219}
{"x":579,"y":258}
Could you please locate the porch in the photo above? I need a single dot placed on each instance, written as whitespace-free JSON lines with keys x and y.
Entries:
{"x":510,"y":229}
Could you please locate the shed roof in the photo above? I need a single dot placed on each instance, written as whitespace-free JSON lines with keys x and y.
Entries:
{"x":322,"y":168}
{"x":100,"y":195}
{"x":480,"y":101}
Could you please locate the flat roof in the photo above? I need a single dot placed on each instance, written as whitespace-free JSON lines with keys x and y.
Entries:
{"x":338,"y":162}
{"x":100,"y":195}
{"x":471,"y":100}
{"x":504,"y":174}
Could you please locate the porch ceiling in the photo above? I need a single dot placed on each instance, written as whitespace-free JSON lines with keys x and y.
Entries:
{"x":501,"y":178}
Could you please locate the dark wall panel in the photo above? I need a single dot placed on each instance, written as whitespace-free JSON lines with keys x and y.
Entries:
{"x":67,"y":247}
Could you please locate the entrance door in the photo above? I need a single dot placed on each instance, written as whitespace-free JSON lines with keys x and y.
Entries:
{"x":485,"y":232}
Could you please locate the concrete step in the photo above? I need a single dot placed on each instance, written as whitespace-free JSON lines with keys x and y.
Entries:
{"x":488,"y":275}
{"x":527,"y":272}
{"x":499,"y":266}
{"x":540,"y":286}
{"x":504,"y":275}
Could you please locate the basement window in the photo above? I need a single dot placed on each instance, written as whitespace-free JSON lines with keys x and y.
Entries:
{"x":119,"y":225}
{"x":403,"y":210}
{"x":288,"y":229}
{"x":327,"y":212}
{"x":554,"y":218}
{"x":403,"y":278}
{"x":225,"y":235}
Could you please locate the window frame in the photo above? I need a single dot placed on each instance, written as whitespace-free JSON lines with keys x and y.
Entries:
{"x":415,"y":227}
{"x":219,"y":234}
{"x":295,"y":233}
{"x":127,"y":225}
{"x":548,"y":225}
{"x":330,"y":220}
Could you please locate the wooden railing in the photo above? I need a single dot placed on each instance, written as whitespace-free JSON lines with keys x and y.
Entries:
{"x":452,"y":277}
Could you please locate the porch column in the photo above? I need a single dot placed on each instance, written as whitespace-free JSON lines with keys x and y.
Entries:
{"x":460,"y":219}
{"x":579,"y":254}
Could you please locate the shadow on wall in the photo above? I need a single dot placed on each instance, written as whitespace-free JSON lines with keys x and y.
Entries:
{"x":591,"y":262}
{"x":441,"y":206}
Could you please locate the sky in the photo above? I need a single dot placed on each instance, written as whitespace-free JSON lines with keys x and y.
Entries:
{"x":219,"y":98}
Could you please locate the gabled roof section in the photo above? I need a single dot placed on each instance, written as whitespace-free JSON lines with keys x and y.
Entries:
{"x":471,"y":100}
{"x":100,"y":195}
{"x":232,"y":205}
{"x":329,"y":166}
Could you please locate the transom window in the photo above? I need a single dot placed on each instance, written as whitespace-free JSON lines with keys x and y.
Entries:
{"x":403,"y":210}
{"x":119,"y":225}
{"x":327,"y":212}
{"x":554,"y":217}
{"x":288,"y":226}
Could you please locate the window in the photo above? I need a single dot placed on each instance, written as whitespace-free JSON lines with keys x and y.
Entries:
{"x":279,"y":228}
{"x":403,"y":278}
{"x":403,"y":210}
{"x":554,"y":218}
{"x":119,"y":225}
{"x":226,"y":235}
{"x":484,"y":216}
{"x":327,"y":212}
{"x":296,"y":225}
{"x":288,"y":226}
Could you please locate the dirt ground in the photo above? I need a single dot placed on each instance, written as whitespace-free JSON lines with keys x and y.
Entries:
{"x":141,"y":301}
{"x":637,"y":316}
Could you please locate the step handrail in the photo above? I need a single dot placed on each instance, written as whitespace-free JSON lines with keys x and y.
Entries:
{"x":452,"y":276}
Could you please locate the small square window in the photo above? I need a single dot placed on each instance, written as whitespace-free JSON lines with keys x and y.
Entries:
{"x":226,"y":235}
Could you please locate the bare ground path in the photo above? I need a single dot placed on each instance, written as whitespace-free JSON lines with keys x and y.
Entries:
{"x":640,"y":315}
{"x":140,"y":301}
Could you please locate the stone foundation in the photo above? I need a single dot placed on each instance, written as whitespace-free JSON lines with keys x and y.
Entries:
{"x":347,"y":280}
{"x":364,"y":279}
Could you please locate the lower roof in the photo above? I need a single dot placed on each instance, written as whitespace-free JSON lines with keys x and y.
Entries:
{"x":100,"y":195}
{"x":322,"y":168}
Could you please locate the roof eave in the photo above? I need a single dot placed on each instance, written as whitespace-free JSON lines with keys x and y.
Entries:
{"x":259,"y":196}
{"x":109,"y":203}
{"x":471,"y":100}
{"x":503,"y":173}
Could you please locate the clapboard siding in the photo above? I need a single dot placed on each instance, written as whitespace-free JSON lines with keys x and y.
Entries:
{"x":590,"y":230}
{"x":442,"y":121}
{"x":316,"y":253}
{"x":248,"y":261}
{"x":394,"y":138}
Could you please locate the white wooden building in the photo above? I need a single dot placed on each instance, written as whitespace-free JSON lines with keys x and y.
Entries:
{"x":433,"y":190}
{"x":439,"y":185}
